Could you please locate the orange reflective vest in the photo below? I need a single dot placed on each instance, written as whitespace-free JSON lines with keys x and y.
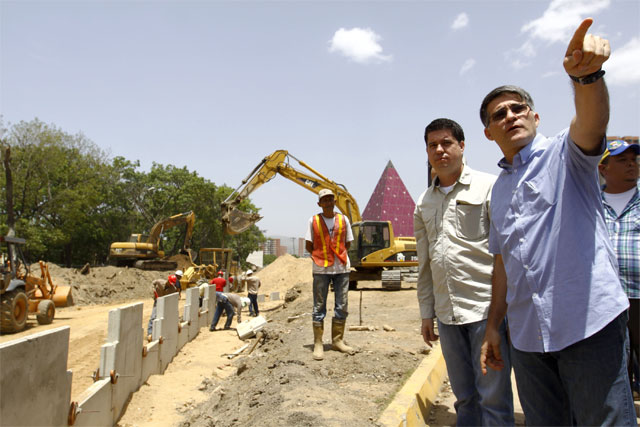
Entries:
{"x":326,"y":247}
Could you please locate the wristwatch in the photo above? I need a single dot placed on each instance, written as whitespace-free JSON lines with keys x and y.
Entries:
{"x":589,"y":78}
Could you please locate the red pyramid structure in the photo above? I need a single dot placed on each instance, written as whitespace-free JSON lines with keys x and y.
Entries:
{"x":391,"y":201}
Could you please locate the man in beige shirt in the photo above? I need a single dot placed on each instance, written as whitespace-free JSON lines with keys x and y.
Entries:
{"x":451,"y":225}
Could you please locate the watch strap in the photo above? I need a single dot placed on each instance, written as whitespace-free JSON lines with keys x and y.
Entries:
{"x":589,"y":78}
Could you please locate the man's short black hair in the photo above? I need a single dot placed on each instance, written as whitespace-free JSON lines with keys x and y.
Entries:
{"x":439,"y":124}
{"x":523,"y":94}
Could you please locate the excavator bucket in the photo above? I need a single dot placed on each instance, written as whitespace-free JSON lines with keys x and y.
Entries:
{"x":238,"y":221}
{"x":62,"y":296}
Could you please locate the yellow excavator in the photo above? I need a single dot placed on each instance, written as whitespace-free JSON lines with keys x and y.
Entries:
{"x":375,"y":248}
{"x":143,"y":250}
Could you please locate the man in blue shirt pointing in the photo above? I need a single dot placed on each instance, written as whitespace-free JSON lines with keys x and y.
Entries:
{"x":555,"y":273}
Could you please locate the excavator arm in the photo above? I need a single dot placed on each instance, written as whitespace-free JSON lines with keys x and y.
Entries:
{"x":188,"y":218}
{"x":279,"y":162}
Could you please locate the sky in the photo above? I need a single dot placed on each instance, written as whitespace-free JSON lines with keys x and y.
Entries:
{"x":344,"y":86}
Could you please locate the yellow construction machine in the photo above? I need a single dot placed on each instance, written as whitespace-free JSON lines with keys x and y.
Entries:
{"x":375,"y":248}
{"x":22,"y":293}
{"x":211,"y":261}
{"x":144,"y":251}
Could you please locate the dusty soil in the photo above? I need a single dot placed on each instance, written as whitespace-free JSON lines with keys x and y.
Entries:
{"x":278,"y":383}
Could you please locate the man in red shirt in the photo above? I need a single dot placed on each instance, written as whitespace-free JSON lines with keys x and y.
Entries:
{"x":219,"y":281}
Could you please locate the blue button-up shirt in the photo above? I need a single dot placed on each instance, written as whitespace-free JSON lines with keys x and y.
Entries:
{"x":548,"y":225}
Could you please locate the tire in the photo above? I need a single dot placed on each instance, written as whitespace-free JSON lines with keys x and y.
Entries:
{"x":13,"y":311}
{"x":46,"y":312}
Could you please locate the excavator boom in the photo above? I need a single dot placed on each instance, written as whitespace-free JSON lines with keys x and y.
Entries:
{"x":278,"y":162}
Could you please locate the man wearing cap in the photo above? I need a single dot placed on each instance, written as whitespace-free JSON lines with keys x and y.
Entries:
{"x":555,"y":273}
{"x":621,"y":200}
{"x":451,"y":226}
{"x":253,"y":284}
{"x":327,"y":239}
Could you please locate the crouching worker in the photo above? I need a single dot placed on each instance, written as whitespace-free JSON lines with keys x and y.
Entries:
{"x":222,"y":304}
{"x":328,"y":238}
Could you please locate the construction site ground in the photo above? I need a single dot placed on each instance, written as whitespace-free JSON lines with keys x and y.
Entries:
{"x":279,"y":383}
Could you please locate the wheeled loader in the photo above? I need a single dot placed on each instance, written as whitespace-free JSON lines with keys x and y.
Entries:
{"x":22,"y":293}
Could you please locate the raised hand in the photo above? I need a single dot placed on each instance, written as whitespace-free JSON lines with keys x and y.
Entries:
{"x":586,"y":53}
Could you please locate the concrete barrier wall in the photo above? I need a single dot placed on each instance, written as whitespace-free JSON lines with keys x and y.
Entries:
{"x":35,"y":385}
{"x":33,"y":370}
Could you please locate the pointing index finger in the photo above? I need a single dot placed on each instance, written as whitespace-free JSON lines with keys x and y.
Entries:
{"x":578,"y":36}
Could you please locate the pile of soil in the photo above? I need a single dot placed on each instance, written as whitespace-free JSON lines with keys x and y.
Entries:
{"x":284,"y":273}
{"x":110,"y":284}
{"x":105,"y":285}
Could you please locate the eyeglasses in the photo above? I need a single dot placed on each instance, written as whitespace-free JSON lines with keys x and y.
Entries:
{"x":501,"y":114}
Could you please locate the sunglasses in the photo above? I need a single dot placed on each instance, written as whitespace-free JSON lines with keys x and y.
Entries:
{"x":501,"y":114}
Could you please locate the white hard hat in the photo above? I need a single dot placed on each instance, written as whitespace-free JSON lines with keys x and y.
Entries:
{"x":249,"y":272}
{"x":179,"y":273}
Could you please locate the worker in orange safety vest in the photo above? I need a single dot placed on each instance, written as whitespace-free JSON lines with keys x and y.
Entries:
{"x":327,"y":239}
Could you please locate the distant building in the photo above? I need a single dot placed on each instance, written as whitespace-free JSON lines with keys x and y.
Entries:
{"x":271,"y":247}
{"x":391,"y":201}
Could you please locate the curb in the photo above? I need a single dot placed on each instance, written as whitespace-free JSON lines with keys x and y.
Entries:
{"x":412,"y":404}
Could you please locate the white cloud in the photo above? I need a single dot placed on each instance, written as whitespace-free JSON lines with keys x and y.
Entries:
{"x":461,"y":21}
{"x":561,"y":18}
{"x":358,"y":44}
{"x":468,"y":64}
{"x":623,"y":67}
{"x":556,"y":25}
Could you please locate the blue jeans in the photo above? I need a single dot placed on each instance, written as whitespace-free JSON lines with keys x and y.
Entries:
{"x":583,"y":384}
{"x":253,"y":305}
{"x":223,"y":304}
{"x":480,"y":399}
{"x":321,"y":284}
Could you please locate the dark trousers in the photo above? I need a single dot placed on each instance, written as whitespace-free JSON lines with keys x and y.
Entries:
{"x":253,"y":305}
{"x":634,"y":337}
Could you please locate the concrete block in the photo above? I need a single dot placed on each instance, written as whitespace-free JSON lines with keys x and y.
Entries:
{"x":150,"y":361}
{"x":35,"y":385}
{"x":274,"y":296}
{"x":94,"y":407}
{"x":202,"y":320}
{"x":166,"y":327}
{"x":191,"y":310}
{"x":209,"y":303}
{"x":123,"y":354}
{"x":260,"y":297}
{"x":249,"y":328}
{"x":183,"y":334}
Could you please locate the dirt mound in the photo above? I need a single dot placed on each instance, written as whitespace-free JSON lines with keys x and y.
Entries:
{"x":105,"y":285}
{"x":284,"y":273}
{"x":110,"y":284}
{"x":183,"y":261}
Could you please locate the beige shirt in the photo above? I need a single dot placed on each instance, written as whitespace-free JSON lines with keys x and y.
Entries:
{"x":236,"y":302}
{"x":253,"y":283}
{"x":162,"y":287}
{"x":452,"y":236}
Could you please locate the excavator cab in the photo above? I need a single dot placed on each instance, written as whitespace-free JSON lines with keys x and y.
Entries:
{"x":368,"y":237}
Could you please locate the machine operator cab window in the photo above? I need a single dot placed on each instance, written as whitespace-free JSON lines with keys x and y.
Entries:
{"x":369,"y":237}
